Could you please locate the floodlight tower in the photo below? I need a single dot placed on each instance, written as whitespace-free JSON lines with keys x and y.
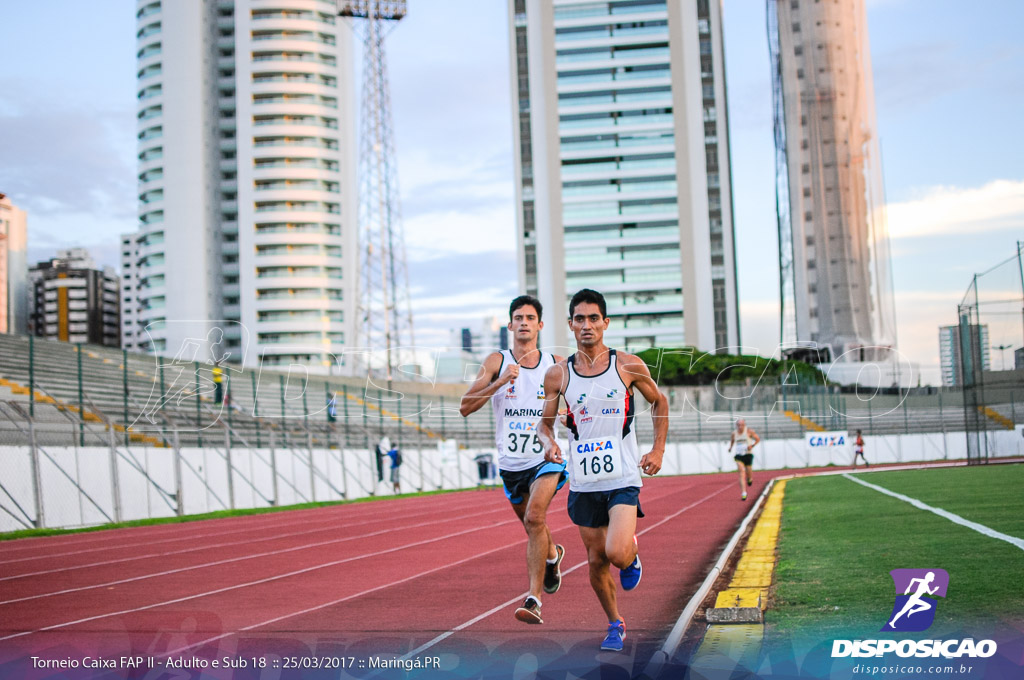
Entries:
{"x":385,"y":312}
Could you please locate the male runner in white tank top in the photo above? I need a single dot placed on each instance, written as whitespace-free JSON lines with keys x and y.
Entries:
{"x":744,"y":439}
{"x":605,"y":462}
{"x":513,"y":381}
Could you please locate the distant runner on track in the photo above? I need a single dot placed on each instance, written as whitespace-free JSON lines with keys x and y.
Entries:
{"x":858,"y":450}
{"x":513,"y":381}
{"x":605,"y":462}
{"x":744,"y":439}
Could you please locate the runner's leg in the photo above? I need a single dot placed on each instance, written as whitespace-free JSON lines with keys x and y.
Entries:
{"x":619,"y":546}
{"x":539,"y":546}
{"x":601,"y":581}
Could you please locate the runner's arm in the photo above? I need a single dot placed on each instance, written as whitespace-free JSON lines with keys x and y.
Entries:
{"x":755,"y":436}
{"x":485,"y":385}
{"x":639,"y":376}
{"x":554,"y":383}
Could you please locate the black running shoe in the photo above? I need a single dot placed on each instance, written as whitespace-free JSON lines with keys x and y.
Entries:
{"x":530,"y":611}
{"x":553,"y":572}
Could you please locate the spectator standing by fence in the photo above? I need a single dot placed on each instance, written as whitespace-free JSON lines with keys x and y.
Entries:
{"x":395,"y":454}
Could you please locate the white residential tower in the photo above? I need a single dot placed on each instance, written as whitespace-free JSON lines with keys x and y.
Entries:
{"x":247,"y":200}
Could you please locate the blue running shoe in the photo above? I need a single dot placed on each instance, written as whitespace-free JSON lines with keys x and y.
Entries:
{"x":616,"y":634}
{"x":630,"y":576}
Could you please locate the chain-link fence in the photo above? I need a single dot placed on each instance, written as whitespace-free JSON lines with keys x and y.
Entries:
{"x":990,"y":323}
{"x":91,"y":435}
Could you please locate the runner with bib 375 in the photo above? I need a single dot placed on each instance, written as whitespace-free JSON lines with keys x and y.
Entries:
{"x":604,"y":460}
{"x":512,"y":382}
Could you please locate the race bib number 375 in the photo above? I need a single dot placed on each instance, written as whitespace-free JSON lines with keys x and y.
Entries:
{"x":521,"y":440}
{"x":594,"y":460}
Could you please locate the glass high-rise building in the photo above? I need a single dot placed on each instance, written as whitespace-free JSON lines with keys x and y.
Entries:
{"x":622,"y":167}
{"x":950,"y":346}
{"x":835,"y":284}
{"x":247,"y":201}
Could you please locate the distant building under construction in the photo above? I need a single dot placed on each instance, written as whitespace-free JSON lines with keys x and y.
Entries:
{"x":835,"y":279}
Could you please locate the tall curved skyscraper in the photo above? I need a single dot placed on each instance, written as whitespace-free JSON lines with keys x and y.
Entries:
{"x":836,"y":284}
{"x":247,"y":200}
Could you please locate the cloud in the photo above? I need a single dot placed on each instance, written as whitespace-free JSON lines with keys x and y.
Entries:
{"x":468,"y":179}
{"x":458,"y":290}
{"x":441,"y":232}
{"x":919,"y":315}
{"x":996,"y":206}
{"x":71,"y":167}
{"x":63,"y":160}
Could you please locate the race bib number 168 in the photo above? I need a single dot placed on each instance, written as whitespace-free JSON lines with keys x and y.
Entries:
{"x":595,"y":460}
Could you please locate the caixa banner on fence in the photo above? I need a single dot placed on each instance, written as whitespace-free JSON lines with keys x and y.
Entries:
{"x":827,"y":447}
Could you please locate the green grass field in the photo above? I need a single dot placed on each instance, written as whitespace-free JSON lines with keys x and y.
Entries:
{"x":839,"y":540}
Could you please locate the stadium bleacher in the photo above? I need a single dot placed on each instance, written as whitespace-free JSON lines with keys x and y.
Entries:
{"x":148,"y":400}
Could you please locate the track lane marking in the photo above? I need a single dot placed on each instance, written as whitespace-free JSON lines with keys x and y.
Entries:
{"x":234,"y":530}
{"x":201,"y":547}
{"x":253,"y":583}
{"x":334,"y":563}
{"x":159,"y":530}
{"x":324,"y":605}
{"x":481,"y":617}
{"x":337,"y":601}
{"x":241,"y":558}
{"x":956,"y":519}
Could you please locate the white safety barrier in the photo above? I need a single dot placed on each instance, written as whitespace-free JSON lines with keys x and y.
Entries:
{"x":82,"y":487}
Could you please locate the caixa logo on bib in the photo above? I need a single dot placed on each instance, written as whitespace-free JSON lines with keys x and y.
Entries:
{"x":913,"y":611}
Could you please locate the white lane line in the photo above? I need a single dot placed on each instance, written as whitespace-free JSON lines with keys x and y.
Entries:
{"x":481,"y":617}
{"x":347,"y":597}
{"x":957,"y":519}
{"x":241,"y":558}
{"x":234,"y":530}
{"x":430,"y":571}
{"x":163,"y":531}
{"x":211,"y":546}
{"x":186,"y":530}
{"x":256,"y":582}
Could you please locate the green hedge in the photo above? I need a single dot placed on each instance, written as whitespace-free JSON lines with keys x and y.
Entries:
{"x":687,"y":366}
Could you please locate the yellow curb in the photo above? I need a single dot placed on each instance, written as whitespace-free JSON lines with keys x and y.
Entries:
{"x":739,"y":597}
{"x":752,"y":578}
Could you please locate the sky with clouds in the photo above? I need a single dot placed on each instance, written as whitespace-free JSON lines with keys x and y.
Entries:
{"x":949,"y":86}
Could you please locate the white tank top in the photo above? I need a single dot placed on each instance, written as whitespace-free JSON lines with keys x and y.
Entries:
{"x":742,"y":441}
{"x":518,"y":407}
{"x":603,"y":453}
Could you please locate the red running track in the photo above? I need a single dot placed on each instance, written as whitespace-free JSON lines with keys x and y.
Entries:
{"x":432,"y":576}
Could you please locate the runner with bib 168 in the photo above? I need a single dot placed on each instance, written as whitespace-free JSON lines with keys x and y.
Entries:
{"x":603,"y":457}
